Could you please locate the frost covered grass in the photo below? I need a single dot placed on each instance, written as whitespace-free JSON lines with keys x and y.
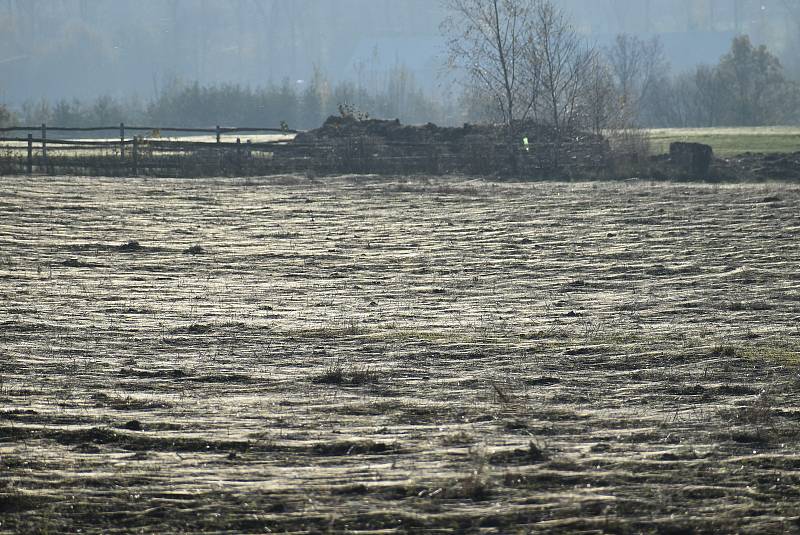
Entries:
{"x":286,"y":354}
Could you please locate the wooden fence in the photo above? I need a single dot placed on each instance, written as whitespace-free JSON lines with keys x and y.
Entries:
{"x":44,"y":149}
{"x":122,"y":128}
{"x":134,"y":156}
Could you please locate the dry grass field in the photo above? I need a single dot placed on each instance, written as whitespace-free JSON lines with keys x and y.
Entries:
{"x":364,"y":355}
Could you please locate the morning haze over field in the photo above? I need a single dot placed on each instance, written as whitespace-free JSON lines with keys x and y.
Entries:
{"x":367,"y":266}
{"x":136,"y":48}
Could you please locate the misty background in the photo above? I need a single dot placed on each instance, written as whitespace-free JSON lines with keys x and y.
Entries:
{"x":258,"y":62}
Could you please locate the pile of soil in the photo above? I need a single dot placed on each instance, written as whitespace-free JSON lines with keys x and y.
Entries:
{"x":387,"y":147}
{"x":775,"y":166}
{"x":383,"y":146}
{"x":337,"y":127}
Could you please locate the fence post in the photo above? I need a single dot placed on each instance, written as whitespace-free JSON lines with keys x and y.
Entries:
{"x":135,"y":156}
{"x":122,"y":141}
{"x":217,"y":133}
{"x":362,"y":156}
{"x":433,"y":160}
{"x":239,"y":155}
{"x":30,"y":154}
{"x":44,"y":143}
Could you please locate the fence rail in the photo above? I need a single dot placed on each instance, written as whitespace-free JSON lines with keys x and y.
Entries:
{"x":155,"y":142}
{"x":124,"y":127}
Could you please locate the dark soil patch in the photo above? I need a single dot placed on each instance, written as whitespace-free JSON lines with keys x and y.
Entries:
{"x":195,"y":250}
{"x":530,"y":455}
{"x":343,"y":448}
{"x":130,"y":247}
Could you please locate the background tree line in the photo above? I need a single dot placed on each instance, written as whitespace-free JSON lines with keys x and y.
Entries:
{"x":524,"y":60}
{"x":520,"y":60}
{"x":748,"y":87}
{"x":301,"y":106}
{"x":136,"y":47}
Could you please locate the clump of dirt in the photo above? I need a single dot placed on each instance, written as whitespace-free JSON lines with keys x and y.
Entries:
{"x":130,"y":246}
{"x":17,"y":414}
{"x":346,"y":447}
{"x":195,"y":250}
{"x":133,"y":425}
{"x":194,"y":328}
{"x":532,"y":454}
{"x":16,"y":502}
{"x":126,"y":403}
{"x":337,"y":374}
{"x":76,"y":263}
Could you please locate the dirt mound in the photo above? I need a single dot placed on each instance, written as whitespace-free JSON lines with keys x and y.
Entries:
{"x":336,"y":127}
{"x":347,"y":144}
{"x":339,"y":127}
{"x":768,"y":166}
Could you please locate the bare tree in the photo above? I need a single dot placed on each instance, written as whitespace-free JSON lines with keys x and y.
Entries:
{"x":637,"y":65}
{"x":526,"y":57}
{"x":5,"y":115}
{"x":674,"y":103}
{"x":564,"y":60}
{"x":711,"y":98}
{"x":488,"y":39}
{"x":600,"y":99}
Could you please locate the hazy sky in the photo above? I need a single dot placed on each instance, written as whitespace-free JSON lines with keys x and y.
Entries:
{"x":84,"y":48}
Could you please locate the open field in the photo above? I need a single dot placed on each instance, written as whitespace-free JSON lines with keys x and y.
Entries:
{"x":389,"y":355}
{"x":730,"y":141}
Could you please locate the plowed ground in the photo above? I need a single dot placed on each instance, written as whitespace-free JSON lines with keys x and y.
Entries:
{"x":398,"y":355}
